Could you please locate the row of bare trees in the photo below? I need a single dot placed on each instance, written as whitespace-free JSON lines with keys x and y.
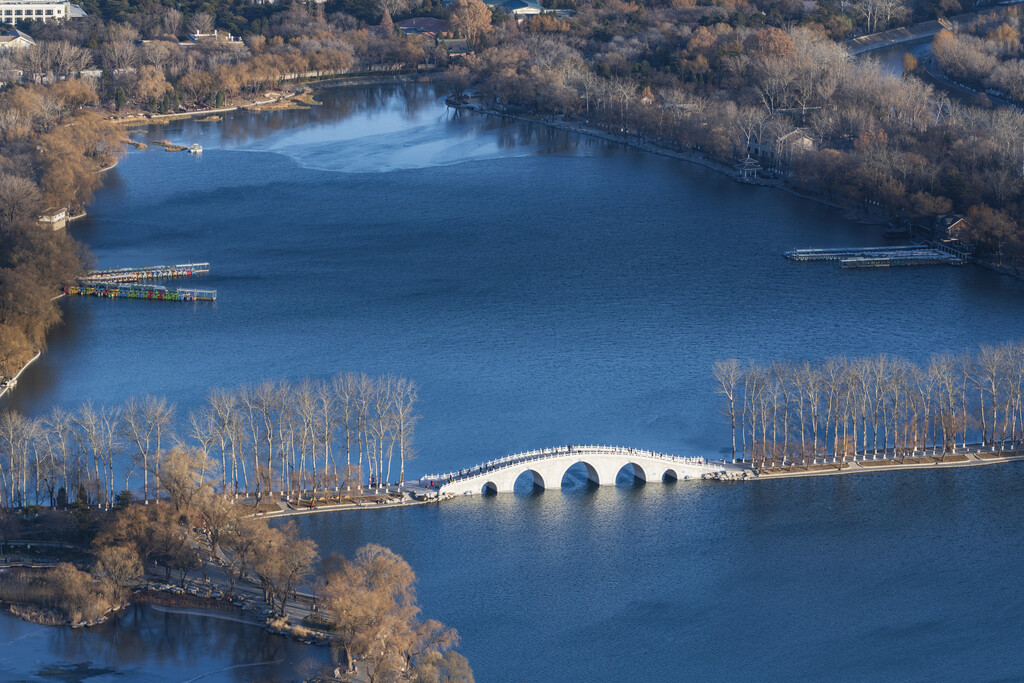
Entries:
{"x":295,"y":439}
{"x":884,"y":406}
{"x":291,"y":436}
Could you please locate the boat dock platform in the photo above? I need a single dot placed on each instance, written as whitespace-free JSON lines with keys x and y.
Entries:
{"x":116,"y":290}
{"x":881,"y":257}
{"x":146,"y":273}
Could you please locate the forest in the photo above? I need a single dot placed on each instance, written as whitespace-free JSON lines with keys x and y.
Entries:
{"x":883,"y":406}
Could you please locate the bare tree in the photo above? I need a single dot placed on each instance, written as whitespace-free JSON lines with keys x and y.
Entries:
{"x":405,"y":397}
{"x":728,"y":374}
{"x":19,"y":199}
{"x":199,"y":23}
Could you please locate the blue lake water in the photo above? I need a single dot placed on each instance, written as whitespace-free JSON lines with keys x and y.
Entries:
{"x":542,"y":289}
{"x":152,"y":644}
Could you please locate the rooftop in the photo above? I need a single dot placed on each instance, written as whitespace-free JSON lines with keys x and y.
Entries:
{"x":41,"y":3}
{"x":13,"y":35}
{"x":422,"y":25}
{"x":514,"y":5}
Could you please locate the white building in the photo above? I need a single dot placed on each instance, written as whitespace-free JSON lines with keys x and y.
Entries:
{"x":15,"y":40}
{"x":12,"y":11}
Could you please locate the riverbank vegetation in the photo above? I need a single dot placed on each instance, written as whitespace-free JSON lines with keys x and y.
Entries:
{"x":147,"y":63}
{"x":58,"y":596}
{"x":888,"y":407}
{"x":367,"y":605}
{"x":707,"y":80}
{"x":53,"y":147}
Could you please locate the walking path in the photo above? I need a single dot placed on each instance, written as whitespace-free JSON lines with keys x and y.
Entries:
{"x":695,"y":156}
{"x":973,"y":457}
{"x":157,"y":118}
{"x":406,"y":495}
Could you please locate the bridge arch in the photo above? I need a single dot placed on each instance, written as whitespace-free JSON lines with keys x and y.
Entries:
{"x":489,"y":489}
{"x":670,"y":475}
{"x":538,"y":479}
{"x":639,"y":474}
{"x":593,"y":475}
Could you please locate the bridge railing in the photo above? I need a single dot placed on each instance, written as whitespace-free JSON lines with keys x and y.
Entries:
{"x":558,"y":452}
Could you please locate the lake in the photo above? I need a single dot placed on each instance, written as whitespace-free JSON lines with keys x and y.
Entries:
{"x":544,"y":288}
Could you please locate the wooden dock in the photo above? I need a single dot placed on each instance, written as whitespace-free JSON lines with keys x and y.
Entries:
{"x":117,"y":290}
{"x":146,"y":273}
{"x":881,"y":257}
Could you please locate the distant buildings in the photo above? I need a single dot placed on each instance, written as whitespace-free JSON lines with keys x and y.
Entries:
{"x":518,"y":8}
{"x":215,"y":37}
{"x":437,"y":30}
{"x":457,"y":47}
{"x":950,"y":227}
{"x":54,"y":218}
{"x":423,"y":26}
{"x":12,"y":11}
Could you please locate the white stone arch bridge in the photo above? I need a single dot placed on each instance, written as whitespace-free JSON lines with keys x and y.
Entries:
{"x":602,"y":463}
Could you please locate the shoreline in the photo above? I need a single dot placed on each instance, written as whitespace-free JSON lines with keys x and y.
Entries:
{"x":851,"y":212}
{"x":11,"y":383}
{"x":343,"y":507}
{"x":172,"y":599}
{"x":256,"y":107}
{"x":696,"y":158}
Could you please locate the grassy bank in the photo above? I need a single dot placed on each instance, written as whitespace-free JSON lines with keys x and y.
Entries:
{"x":63,"y":595}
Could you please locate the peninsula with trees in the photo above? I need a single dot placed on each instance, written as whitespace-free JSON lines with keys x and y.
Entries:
{"x":74,"y":551}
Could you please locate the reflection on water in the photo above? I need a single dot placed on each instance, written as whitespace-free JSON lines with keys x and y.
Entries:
{"x":404,"y":133}
{"x":147,"y":643}
{"x":378,"y":130}
{"x":891,"y":58}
